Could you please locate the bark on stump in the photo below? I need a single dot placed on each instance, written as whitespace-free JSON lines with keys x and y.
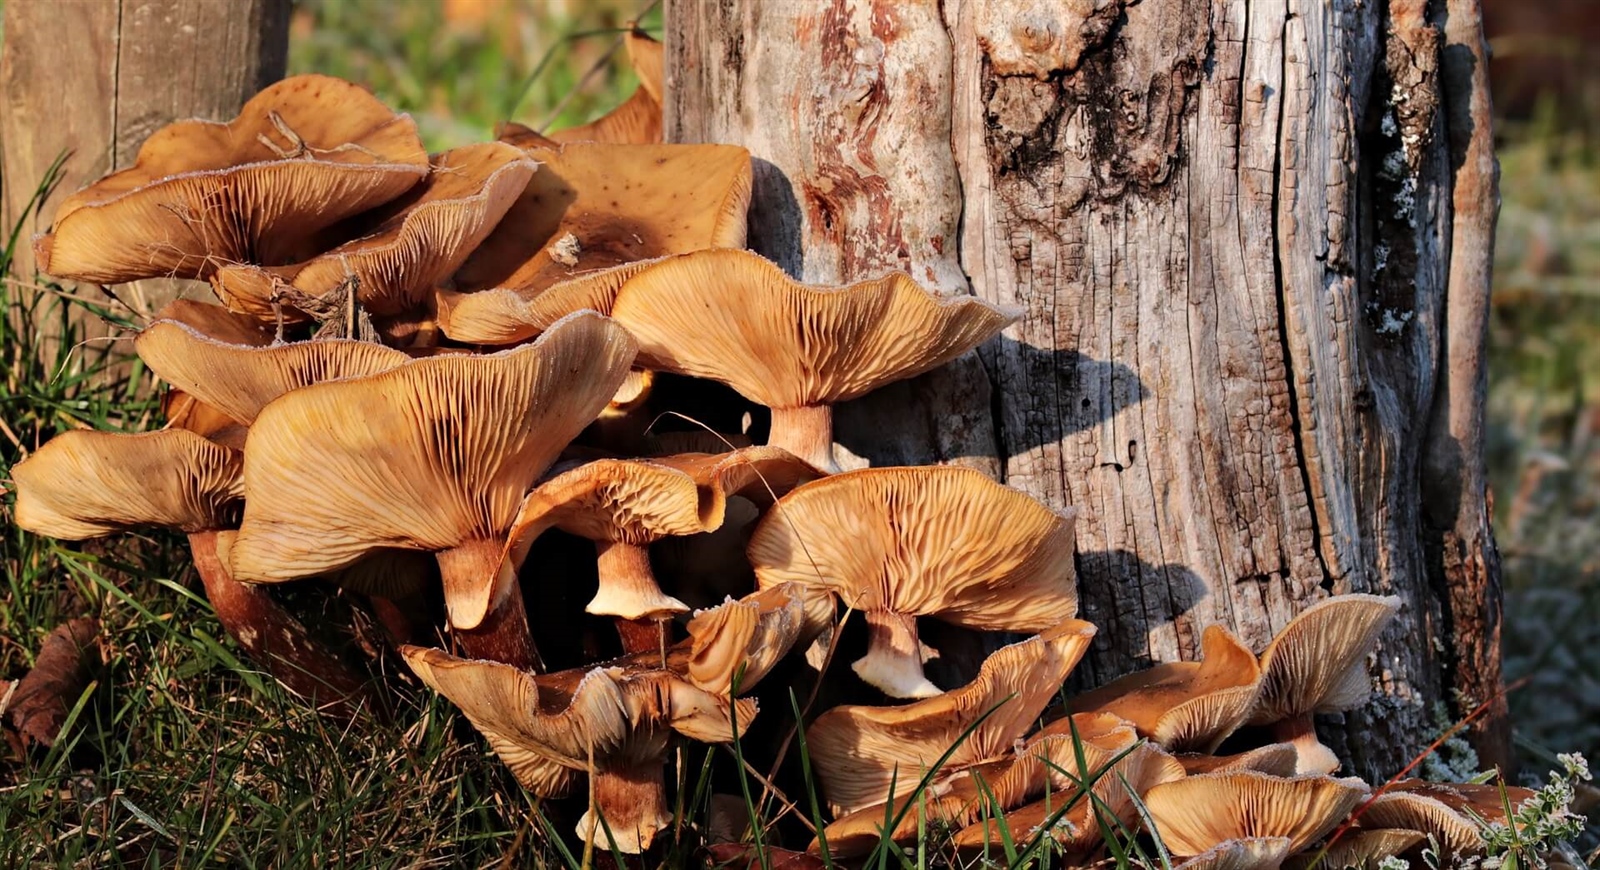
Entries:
{"x":1251,"y":242}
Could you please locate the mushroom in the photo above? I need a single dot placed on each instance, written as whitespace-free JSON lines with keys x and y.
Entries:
{"x":616,"y":723}
{"x":1277,"y":759}
{"x":433,"y":455}
{"x":898,"y":543}
{"x":1450,"y":813}
{"x":1186,"y":706}
{"x":239,"y":380}
{"x":1071,"y":819}
{"x":425,"y":236}
{"x":302,"y":154}
{"x":625,"y":505}
{"x":733,"y":317}
{"x":859,"y":751}
{"x":216,"y":322}
{"x":741,"y":641}
{"x":592,"y":207}
{"x":1196,"y":813}
{"x":638,"y":120}
{"x":499,"y":316}
{"x":85,"y":484}
{"x":1358,"y":850}
{"x":1247,"y":853}
{"x":1317,"y":664}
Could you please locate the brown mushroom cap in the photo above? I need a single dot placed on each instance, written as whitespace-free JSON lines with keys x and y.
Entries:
{"x":1358,"y":850}
{"x":1317,"y":663}
{"x":85,"y":484}
{"x":742,"y":640}
{"x":428,"y":235}
{"x":632,"y":503}
{"x":1248,"y":853}
{"x":1447,"y":811}
{"x":434,"y":455}
{"x":1275,"y":759}
{"x":1186,"y":705}
{"x":503,"y":316}
{"x":618,"y":204}
{"x":1196,"y":813}
{"x":944,"y":542}
{"x":302,"y":154}
{"x":638,"y":120}
{"x":612,"y":722}
{"x":859,"y":750}
{"x":239,"y":380}
{"x":216,"y":322}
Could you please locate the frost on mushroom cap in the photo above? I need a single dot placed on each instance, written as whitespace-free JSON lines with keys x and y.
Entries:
{"x":614,"y":723}
{"x":858,"y":750}
{"x":734,"y":317}
{"x":1186,"y":705}
{"x":505,"y":316}
{"x":302,"y":155}
{"x":619,"y":204}
{"x":85,"y":484}
{"x":1195,"y":813}
{"x":1317,"y":663}
{"x":944,"y":542}
{"x":1246,"y":853}
{"x":432,"y":455}
{"x":427,"y":235}
{"x":1359,"y":849}
{"x":239,"y":380}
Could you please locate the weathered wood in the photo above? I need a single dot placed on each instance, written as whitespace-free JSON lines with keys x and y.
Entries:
{"x":95,"y":77}
{"x":1229,"y":225}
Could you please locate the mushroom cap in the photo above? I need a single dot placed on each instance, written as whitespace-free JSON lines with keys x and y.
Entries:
{"x":216,"y":322}
{"x":239,"y":380}
{"x":302,"y":155}
{"x":1140,"y":769}
{"x":638,"y":501}
{"x":428,"y":235}
{"x":430,"y":455}
{"x":638,"y":120}
{"x":1274,"y":759}
{"x":858,"y":750}
{"x":742,"y":640}
{"x":618,"y":203}
{"x":1246,"y":853}
{"x":1318,"y":662}
{"x":937,"y":541}
{"x":550,"y":729}
{"x":1195,"y":813}
{"x":1186,"y":705}
{"x":84,"y":484}
{"x":505,"y":316}
{"x":734,"y":317}
{"x":1358,"y":850}
{"x":1448,"y":811}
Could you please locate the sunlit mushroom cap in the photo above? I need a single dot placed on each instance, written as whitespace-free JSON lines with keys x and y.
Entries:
{"x":216,"y":322}
{"x":858,"y":750}
{"x":1186,"y":705}
{"x":302,"y":155}
{"x":742,"y":640}
{"x":1071,"y":819}
{"x":638,"y":120}
{"x":1317,"y":663}
{"x":592,"y":207}
{"x":1248,"y":853}
{"x":935,"y":541}
{"x":733,"y":317}
{"x":1358,"y":850}
{"x":432,"y":455}
{"x":85,"y":484}
{"x":1275,"y":759}
{"x":1447,"y":811}
{"x":239,"y":380}
{"x":425,"y":238}
{"x":504,"y":316}
{"x":1196,"y":813}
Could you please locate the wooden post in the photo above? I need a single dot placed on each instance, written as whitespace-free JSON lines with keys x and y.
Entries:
{"x":95,"y":77}
{"x":1249,"y":239}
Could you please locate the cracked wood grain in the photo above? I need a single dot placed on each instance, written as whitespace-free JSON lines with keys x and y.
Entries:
{"x":1229,"y":225}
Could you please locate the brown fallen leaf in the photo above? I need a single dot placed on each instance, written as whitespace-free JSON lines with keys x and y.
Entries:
{"x":742,"y":856}
{"x":41,"y":700}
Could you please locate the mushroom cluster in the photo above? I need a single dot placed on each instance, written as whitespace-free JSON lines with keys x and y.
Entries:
{"x":494,"y":395}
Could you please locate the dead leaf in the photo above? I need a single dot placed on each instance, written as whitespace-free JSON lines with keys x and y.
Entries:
{"x":41,"y":700}
{"x":742,"y":856}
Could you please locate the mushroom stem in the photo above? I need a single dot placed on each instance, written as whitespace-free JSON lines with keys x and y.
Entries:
{"x":643,"y":635}
{"x":503,"y":635}
{"x":275,"y":639}
{"x":633,"y":803}
{"x":894,"y":656}
{"x":807,"y":433}
{"x":628,"y":587}
{"x":1313,"y":756}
